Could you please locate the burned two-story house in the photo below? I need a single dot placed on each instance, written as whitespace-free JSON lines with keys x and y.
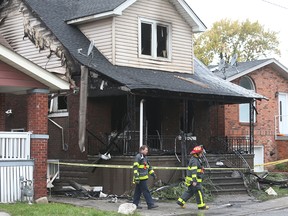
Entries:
{"x":133,"y":80}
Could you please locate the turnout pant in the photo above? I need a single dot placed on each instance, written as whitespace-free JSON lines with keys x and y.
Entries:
{"x":142,"y":188}
{"x":197,"y":191}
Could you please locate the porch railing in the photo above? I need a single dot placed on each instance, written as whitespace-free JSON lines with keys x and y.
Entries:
{"x":128,"y":144}
{"x":14,"y":145}
{"x":228,"y":145}
{"x":15,"y":163}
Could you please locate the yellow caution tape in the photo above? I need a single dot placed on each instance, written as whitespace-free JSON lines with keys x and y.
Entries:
{"x":130,"y":167}
{"x":113,"y":166}
{"x":272,"y":163}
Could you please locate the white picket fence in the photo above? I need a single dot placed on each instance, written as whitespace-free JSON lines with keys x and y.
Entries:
{"x":15,"y":162}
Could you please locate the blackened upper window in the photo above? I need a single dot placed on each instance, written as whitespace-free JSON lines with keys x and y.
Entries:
{"x":155,"y":39}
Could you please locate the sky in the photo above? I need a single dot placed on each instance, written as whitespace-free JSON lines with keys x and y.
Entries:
{"x":272,"y":14}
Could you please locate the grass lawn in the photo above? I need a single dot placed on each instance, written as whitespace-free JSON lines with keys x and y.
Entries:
{"x":52,"y":209}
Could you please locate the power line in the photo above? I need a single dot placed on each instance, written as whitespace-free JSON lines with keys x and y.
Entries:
{"x":277,"y":5}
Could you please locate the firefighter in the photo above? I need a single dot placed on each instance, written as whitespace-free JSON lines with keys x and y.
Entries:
{"x":142,"y":169}
{"x":193,"y":180}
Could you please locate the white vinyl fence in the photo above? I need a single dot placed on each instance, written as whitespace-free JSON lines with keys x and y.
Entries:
{"x":15,"y":145}
{"x":10,"y":184}
{"x":15,"y":163}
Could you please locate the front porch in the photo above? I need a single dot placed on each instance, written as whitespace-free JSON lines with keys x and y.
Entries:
{"x":127,"y":143}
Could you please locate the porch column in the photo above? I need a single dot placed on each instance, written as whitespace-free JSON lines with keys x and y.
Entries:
{"x":251,"y":137}
{"x":37,"y":123}
{"x":2,"y":112}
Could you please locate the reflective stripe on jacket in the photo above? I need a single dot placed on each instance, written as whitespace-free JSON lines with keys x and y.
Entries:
{"x":141,"y":167}
{"x":195,"y":171}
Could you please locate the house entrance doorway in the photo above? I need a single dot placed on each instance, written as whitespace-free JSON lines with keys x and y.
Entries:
{"x":283,"y":113}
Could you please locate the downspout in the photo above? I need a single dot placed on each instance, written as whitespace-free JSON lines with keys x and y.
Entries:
{"x":83,"y":107}
{"x":64,"y":146}
{"x":141,"y":122}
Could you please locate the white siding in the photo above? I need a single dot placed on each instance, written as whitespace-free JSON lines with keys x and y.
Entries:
{"x":101,"y":33}
{"x":126,"y":44}
{"x":12,"y":30}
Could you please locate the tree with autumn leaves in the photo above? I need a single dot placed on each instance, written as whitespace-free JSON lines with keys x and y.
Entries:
{"x":249,"y":40}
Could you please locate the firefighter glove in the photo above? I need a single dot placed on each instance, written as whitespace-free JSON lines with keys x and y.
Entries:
{"x":136,"y":181}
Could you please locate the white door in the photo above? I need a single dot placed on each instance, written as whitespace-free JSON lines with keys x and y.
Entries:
{"x":283,"y":113}
{"x":258,"y":159}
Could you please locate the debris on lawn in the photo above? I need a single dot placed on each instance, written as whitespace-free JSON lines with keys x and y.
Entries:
{"x":77,"y":190}
{"x":264,"y":180}
{"x":271,"y":191}
{"x":268,"y":184}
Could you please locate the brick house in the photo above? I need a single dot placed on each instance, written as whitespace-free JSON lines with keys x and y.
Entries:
{"x":124,"y":90}
{"x":267,"y":77}
{"x":24,"y":89}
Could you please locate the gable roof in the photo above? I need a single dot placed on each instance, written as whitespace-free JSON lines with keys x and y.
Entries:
{"x":242,"y":68}
{"x":52,"y":82}
{"x":88,"y":10}
{"x":202,"y":83}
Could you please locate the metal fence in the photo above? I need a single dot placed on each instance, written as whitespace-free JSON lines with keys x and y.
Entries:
{"x":228,"y":145}
{"x":128,"y":144}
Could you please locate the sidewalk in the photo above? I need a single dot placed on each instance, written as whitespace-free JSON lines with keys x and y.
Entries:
{"x":222,"y":205}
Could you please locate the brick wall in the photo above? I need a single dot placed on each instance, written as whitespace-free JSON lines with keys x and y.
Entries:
{"x":37,"y":122}
{"x":18,"y":119}
{"x":267,"y":82}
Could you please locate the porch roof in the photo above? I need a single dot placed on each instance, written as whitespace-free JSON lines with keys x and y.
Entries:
{"x":32,"y":71}
{"x":203,"y":84}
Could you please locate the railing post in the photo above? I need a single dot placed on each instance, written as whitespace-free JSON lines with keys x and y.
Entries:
{"x":251,"y":137}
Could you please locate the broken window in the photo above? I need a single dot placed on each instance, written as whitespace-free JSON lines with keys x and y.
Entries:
{"x":155,"y":39}
{"x":162,"y":41}
{"x":57,"y":104}
{"x":146,"y":39}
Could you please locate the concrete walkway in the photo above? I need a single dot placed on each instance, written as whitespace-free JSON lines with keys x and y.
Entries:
{"x":222,"y":205}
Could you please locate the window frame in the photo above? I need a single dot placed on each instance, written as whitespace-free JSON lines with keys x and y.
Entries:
{"x":154,"y":24}
{"x":54,"y":110}
{"x":246,"y":106}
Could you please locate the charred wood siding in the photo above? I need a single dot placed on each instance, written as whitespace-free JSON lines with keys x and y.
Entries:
{"x":117,"y":38}
{"x":12,"y":29}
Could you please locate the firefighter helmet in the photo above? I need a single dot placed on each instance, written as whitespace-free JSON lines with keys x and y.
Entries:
{"x":197,"y":150}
